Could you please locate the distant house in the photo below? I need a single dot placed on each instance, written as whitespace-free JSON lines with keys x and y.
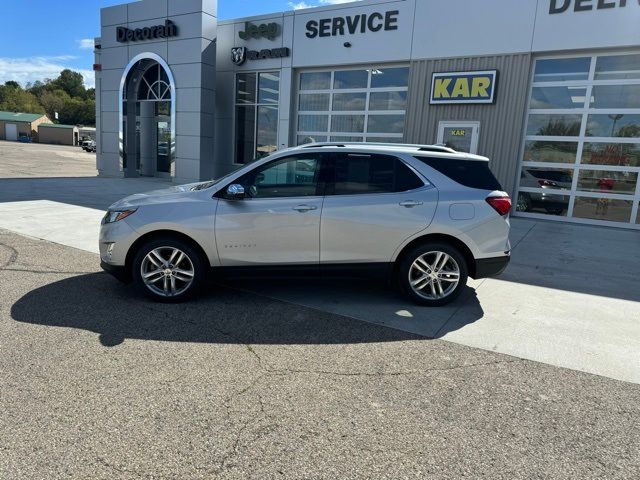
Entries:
{"x":58,"y":134}
{"x":13,"y":125}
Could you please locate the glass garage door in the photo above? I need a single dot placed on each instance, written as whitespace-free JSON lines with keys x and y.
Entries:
{"x":581,"y":155}
{"x":352,"y":105}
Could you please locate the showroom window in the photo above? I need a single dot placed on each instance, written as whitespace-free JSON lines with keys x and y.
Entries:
{"x":257,"y":97}
{"x":352,"y":105}
{"x":581,"y":154}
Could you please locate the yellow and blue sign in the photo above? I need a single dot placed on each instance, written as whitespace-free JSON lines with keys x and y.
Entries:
{"x":464,"y":87}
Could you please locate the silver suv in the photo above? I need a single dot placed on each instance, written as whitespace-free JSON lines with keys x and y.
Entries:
{"x":426,"y":217}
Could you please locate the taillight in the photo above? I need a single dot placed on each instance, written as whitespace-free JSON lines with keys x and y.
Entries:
{"x":547,"y":183}
{"x":501,"y":204}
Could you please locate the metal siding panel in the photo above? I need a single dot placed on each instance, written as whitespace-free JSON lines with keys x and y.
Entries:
{"x":501,"y":124}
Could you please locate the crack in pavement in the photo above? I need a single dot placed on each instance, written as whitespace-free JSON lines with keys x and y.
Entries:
{"x":115,"y":468}
{"x":393,"y":374}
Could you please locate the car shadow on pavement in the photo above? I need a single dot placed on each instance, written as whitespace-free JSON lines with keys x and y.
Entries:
{"x":98,"y":303}
{"x":90,"y":192}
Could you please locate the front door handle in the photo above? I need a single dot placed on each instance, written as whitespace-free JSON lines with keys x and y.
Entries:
{"x":304,"y":208}
{"x":410,"y":203}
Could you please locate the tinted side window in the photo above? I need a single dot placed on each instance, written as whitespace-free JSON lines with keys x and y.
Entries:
{"x":470,"y":173}
{"x":363,"y":173}
{"x":295,"y":176}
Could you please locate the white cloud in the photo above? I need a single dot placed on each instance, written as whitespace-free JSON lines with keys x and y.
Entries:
{"x":299,"y":5}
{"x":318,"y":3}
{"x":86,"y":44}
{"x":30,"y":69}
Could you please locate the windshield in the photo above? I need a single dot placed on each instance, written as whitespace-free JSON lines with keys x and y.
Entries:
{"x":210,"y":183}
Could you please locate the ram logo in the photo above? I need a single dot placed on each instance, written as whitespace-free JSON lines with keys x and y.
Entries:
{"x":238,"y":55}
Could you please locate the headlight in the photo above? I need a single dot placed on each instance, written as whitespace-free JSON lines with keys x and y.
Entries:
{"x":116,"y":215}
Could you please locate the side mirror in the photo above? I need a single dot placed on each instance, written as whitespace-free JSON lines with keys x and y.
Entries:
{"x":235,"y":191}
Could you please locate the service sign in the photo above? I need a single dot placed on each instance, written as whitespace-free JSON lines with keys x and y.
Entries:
{"x":464,"y":87}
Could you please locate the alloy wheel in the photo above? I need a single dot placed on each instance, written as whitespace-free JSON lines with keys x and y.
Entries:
{"x":167,"y":271}
{"x":434,"y":275}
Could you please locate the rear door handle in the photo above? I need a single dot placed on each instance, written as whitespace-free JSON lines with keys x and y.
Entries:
{"x":304,"y":208}
{"x":410,"y":203}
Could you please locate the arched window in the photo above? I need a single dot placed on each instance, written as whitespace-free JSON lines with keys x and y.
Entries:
{"x":154,"y":84}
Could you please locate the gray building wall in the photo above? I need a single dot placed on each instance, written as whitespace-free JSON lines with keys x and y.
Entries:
{"x":191,"y":58}
{"x":501,"y":124}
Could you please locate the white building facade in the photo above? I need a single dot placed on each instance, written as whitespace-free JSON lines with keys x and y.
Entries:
{"x":549,"y":90}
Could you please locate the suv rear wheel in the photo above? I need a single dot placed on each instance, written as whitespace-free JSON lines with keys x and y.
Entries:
{"x":168,"y":270}
{"x":432,"y":274}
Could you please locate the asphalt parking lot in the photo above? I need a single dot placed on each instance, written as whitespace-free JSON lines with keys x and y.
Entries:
{"x":97,"y":383}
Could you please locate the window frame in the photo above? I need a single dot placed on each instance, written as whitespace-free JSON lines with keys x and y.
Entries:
{"x":256,"y":105}
{"x":330,"y":113}
{"x":320,"y":183}
{"x":581,"y":140}
{"x":330,"y":170}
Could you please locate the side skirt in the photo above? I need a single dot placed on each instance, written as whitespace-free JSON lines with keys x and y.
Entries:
{"x":377,"y":271}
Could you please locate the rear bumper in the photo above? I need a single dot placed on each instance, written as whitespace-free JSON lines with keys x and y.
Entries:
{"x":118,"y":271}
{"x":490,"y":267}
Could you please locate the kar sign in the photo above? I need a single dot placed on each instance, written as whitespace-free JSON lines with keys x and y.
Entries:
{"x":464,"y":87}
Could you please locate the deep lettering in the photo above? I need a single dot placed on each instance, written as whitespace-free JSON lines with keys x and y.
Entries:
{"x":124,"y":34}
{"x":312,"y":29}
{"x":352,"y":23}
{"x":391,"y":20}
{"x":554,"y":8}
{"x":325,"y":27}
{"x":372,"y":18}
{"x":582,"y":5}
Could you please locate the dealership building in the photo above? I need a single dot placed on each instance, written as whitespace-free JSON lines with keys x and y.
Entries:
{"x":549,"y":90}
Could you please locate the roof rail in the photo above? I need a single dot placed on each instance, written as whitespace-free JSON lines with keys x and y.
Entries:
{"x":436,"y":148}
{"x":321,"y":144}
{"x":421,"y":148}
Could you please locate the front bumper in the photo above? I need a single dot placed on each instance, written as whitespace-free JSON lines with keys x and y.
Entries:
{"x":114,"y":242}
{"x":490,"y":267}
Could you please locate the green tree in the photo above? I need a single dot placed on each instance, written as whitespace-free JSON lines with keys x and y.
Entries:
{"x":53,"y":101}
{"x":78,"y":112}
{"x":14,"y":99}
{"x":12,"y":84}
{"x":37,"y":87}
{"x":71,"y":82}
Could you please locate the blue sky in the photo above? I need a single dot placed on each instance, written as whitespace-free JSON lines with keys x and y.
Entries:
{"x":39,"y":38}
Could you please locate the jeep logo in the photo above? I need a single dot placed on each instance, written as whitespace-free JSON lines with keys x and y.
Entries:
{"x":265,"y":30}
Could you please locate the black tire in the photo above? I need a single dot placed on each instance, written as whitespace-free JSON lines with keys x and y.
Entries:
{"x":405,"y":274}
{"x":165,"y":246}
{"x":554,"y":211}
{"x":524,"y":203}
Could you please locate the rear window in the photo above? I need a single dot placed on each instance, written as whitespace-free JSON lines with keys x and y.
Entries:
{"x":470,"y":173}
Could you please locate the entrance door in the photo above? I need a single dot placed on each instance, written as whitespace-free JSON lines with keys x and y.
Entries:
{"x":162,"y":123}
{"x":11,"y":131}
{"x":461,"y":136}
{"x":278,"y":221}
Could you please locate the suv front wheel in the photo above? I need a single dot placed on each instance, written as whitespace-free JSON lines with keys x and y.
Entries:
{"x":168,"y":270}
{"x":432,"y":274}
